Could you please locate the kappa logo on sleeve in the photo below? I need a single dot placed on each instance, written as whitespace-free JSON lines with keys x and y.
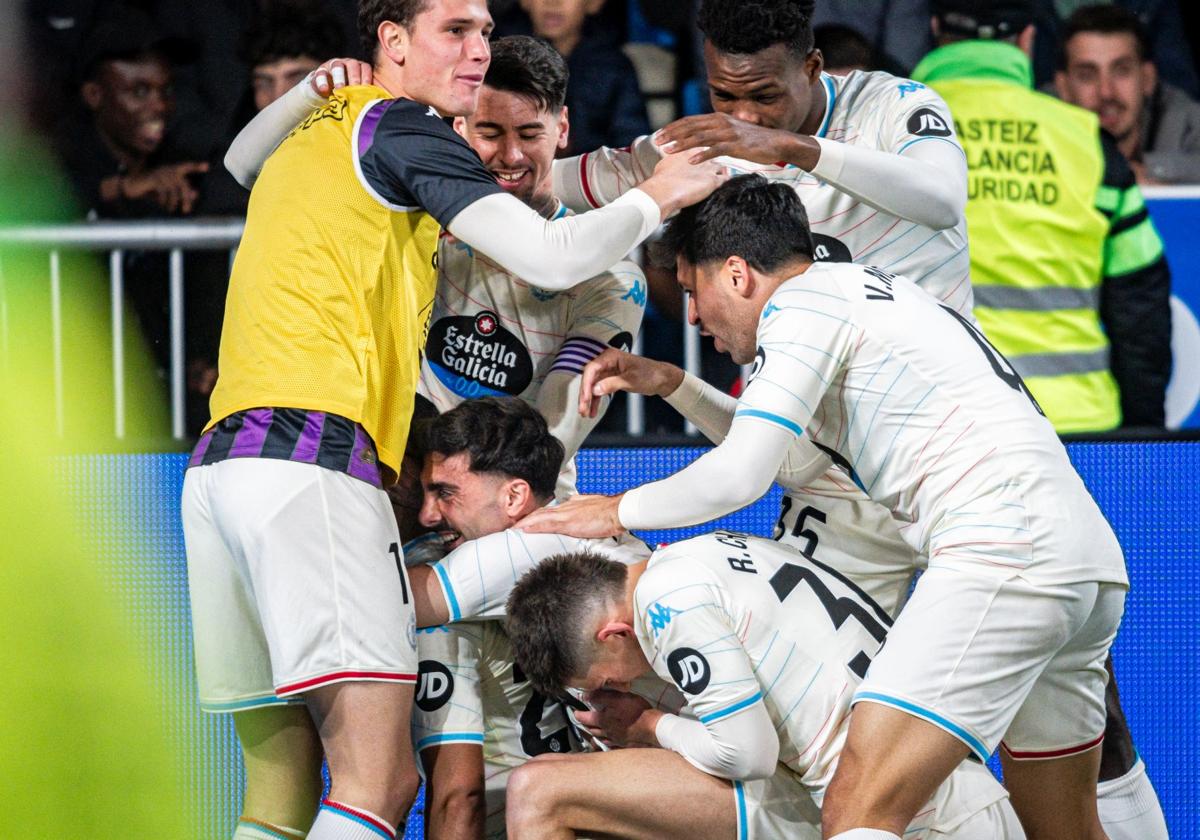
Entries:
{"x":690,"y":670}
{"x":926,"y":122}
{"x":435,"y":684}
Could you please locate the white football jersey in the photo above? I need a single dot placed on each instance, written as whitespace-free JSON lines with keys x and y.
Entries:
{"x":929,"y":420}
{"x":493,"y":334}
{"x":477,"y":576}
{"x":873,"y":110}
{"x":735,"y":620}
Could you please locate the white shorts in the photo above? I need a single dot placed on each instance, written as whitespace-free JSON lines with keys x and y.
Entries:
{"x":845,"y":530}
{"x":776,"y":807}
{"x":296,"y":579}
{"x":469,"y":692}
{"x":986,"y":658}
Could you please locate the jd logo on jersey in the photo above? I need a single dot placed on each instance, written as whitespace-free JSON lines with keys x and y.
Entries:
{"x":925,"y":122}
{"x":435,"y":684}
{"x":828,"y":249}
{"x":690,"y":670}
{"x":475,"y":356}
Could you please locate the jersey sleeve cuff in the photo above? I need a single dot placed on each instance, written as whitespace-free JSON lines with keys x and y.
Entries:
{"x":832,"y":161}
{"x":443,"y":580}
{"x":687,"y":396}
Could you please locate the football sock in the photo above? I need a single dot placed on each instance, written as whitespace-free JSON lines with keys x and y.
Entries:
{"x":1129,"y":807}
{"x":248,"y":828}
{"x":338,"y":821}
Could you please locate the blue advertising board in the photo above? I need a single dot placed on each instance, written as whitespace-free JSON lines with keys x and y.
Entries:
{"x":1176,"y":214}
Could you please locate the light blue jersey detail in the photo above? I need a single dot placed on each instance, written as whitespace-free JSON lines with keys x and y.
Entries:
{"x":774,"y":418}
{"x":977,"y":746}
{"x":451,"y":600}
{"x":728,"y":710}
{"x":252,"y":703}
{"x":739,"y":795}
{"x":831,"y":101}
{"x":450,"y":738}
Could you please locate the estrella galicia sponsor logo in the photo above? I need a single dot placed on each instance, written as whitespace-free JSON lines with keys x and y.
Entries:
{"x":690,"y":670}
{"x":828,"y":249}
{"x":435,"y":684}
{"x":622,"y":341}
{"x":475,"y":356}
{"x":760,"y":359}
{"x":926,"y":122}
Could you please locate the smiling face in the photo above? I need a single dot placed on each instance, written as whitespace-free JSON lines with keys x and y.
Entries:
{"x":772,"y":88}
{"x":718,"y":310}
{"x":443,"y":54}
{"x":464,"y":505}
{"x":1106,"y":75}
{"x":132,"y":100}
{"x":517,"y":141}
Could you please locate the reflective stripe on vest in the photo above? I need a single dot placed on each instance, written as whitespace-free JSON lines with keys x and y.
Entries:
{"x":1037,"y":242}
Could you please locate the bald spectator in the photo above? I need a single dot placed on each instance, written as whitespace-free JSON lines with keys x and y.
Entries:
{"x":1105,"y":66}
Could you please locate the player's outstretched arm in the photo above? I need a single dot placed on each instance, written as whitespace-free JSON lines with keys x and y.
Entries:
{"x":925,"y":183}
{"x":558,"y":254}
{"x":600,"y":177}
{"x":429,"y":600}
{"x":263,"y":134}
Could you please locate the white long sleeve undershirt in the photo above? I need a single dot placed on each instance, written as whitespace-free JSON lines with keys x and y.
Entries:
{"x":927,"y":184}
{"x":552,"y":255}
{"x":742,"y":746}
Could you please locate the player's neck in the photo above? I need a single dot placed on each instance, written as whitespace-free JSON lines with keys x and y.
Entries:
{"x":633,"y":573}
{"x":816,"y":114}
{"x":390,"y":76}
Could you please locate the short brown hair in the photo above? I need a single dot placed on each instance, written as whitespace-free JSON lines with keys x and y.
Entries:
{"x":551,"y":613}
{"x":372,"y":13}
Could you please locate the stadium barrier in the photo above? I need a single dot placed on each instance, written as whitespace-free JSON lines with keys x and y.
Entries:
{"x":1175,"y":211}
{"x":1148,"y":490}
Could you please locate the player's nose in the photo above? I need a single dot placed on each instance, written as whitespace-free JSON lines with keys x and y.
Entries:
{"x":429,"y":516}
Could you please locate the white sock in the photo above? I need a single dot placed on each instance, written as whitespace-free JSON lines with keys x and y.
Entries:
{"x":248,"y":828}
{"x":866,"y":834}
{"x":338,"y":821}
{"x":1129,"y":807}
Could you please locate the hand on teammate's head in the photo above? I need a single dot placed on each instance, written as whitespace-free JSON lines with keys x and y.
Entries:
{"x":339,"y":73}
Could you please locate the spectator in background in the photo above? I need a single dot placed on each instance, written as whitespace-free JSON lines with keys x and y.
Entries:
{"x":845,"y":49}
{"x":1162,"y":19}
{"x":115,"y":148}
{"x":1104,"y":66}
{"x":286,"y":44}
{"x":604,"y":101}
{"x":897,"y":30}
{"x":1070,"y":280}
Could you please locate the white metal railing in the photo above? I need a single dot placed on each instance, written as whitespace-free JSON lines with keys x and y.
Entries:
{"x":176,"y":238}
{"x":118,"y":237}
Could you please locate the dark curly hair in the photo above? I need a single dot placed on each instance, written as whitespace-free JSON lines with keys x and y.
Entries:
{"x":502,"y":435}
{"x":742,"y":27}
{"x":763,"y":222}
{"x":528,"y":67}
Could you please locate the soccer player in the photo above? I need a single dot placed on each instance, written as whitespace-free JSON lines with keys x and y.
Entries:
{"x":489,"y":462}
{"x":328,"y":307}
{"x":1007,"y":631}
{"x":492,"y":332}
{"x":879,"y":168}
{"x":767,"y":646}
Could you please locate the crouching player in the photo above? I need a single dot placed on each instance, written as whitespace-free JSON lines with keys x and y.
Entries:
{"x":769,"y":648}
{"x":488,"y":463}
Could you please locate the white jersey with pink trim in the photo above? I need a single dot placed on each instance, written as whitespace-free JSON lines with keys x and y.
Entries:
{"x":735,"y":620}
{"x":871,"y":110}
{"x":493,"y":334}
{"x":930,"y":421}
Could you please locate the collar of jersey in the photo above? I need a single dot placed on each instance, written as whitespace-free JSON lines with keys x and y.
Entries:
{"x":830,"y":101}
{"x":981,"y":60}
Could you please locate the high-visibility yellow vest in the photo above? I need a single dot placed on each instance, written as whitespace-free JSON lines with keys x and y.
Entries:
{"x":1037,"y":233}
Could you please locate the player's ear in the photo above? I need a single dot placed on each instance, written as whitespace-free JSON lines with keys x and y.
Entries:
{"x":393,"y":40}
{"x":814,"y":64}
{"x":517,"y":498}
{"x":614,"y":629}
{"x":460,"y":127}
{"x":564,"y":129}
{"x":740,"y":275}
